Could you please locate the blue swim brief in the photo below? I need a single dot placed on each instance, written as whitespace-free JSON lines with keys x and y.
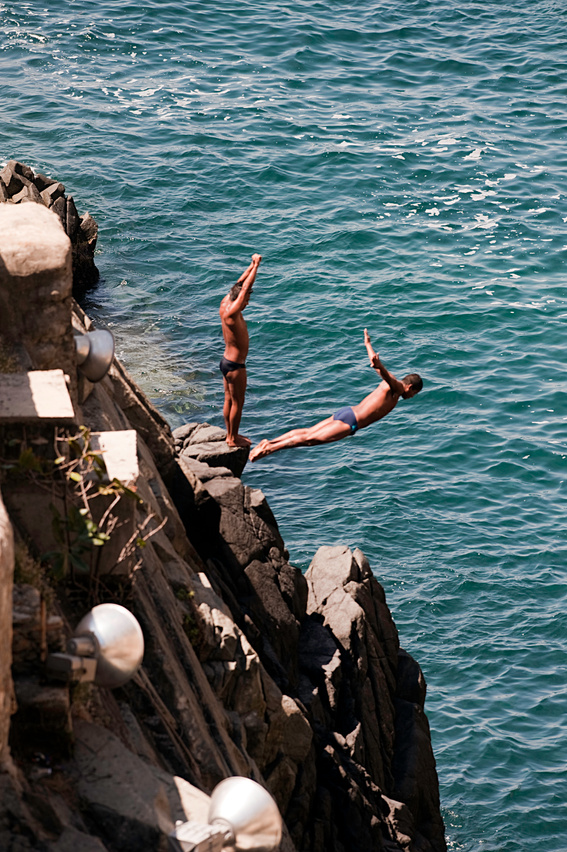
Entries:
{"x":347,"y":415}
{"x":227,"y":366}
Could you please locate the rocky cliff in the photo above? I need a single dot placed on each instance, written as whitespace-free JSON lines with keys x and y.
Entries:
{"x":250,"y":668}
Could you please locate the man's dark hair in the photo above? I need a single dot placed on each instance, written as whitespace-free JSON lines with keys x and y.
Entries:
{"x":234,"y":292}
{"x":414,"y":380}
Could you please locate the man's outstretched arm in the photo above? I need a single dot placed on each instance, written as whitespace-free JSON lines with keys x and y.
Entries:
{"x":395,"y":385}
{"x":248,"y":277}
{"x":247,"y":271}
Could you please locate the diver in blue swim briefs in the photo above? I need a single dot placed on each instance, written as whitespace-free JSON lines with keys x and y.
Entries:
{"x":346,"y":421}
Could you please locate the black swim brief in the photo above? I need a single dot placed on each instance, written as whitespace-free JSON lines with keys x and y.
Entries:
{"x":227,"y":366}
{"x":347,"y":415}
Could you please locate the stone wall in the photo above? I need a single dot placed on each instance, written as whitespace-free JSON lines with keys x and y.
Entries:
{"x":35,"y":291}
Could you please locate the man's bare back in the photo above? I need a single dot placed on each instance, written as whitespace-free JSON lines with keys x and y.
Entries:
{"x":348,"y":420}
{"x":233,"y":362}
{"x":376,"y":405}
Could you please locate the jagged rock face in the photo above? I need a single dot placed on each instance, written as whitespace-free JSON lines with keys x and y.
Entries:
{"x":329,"y":642}
{"x":352,"y":604}
{"x":292,"y":680}
{"x":136,"y":804}
{"x":372,"y":694}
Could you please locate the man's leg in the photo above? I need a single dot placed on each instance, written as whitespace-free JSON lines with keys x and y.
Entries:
{"x":324,"y":432}
{"x":227,"y":404}
{"x":235,"y":386}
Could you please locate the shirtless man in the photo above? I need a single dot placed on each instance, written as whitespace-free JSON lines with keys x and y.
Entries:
{"x":347,"y":420}
{"x":232,"y":364}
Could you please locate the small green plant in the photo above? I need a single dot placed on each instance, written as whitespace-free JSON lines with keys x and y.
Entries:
{"x":27,"y":462}
{"x":83,"y":507}
{"x":79,"y":529}
{"x":191,"y":628}
{"x":76,"y":534}
{"x":183,"y":594}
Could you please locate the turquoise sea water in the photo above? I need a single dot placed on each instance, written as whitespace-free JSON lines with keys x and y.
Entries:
{"x":400,"y":166}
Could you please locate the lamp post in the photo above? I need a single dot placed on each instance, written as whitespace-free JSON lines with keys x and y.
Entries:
{"x":107,"y":647}
{"x":242,"y":815}
{"x":95,"y":352}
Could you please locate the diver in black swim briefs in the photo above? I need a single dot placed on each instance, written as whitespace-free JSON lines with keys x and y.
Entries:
{"x":347,"y":420}
{"x":227,"y":366}
{"x":233,"y":361}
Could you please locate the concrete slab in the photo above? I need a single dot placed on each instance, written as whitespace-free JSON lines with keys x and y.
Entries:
{"x":120,"y":453}
{"x":37,"y":396}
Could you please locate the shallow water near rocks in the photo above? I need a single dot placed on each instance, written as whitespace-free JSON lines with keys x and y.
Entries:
{"x":401,"y":167}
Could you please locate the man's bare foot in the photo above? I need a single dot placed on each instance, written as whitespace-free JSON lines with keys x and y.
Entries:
{"x":260,"y":450}
{"x":239,"y":441}
{"x":256,"y":258}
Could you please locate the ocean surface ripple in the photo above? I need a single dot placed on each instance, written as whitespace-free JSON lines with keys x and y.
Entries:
{"x":401,"y":167}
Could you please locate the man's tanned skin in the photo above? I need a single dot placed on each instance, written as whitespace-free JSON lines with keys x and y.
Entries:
{"x":236,"y":339}
{"x":346,"y":421}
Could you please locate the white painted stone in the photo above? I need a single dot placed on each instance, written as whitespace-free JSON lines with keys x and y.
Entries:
{"x":36,"y":396}
{"x":120,"y":453}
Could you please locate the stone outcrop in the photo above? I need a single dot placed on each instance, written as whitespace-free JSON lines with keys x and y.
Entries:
{"x":203,"y":443}
{"x":250,"y":667}
{"x":330,"y":645}
{"x":20,"y":184}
